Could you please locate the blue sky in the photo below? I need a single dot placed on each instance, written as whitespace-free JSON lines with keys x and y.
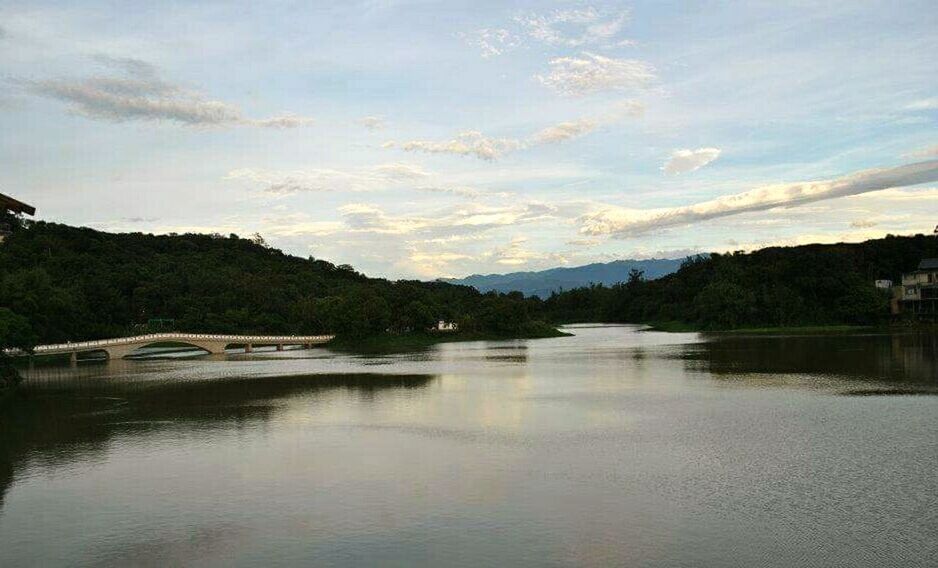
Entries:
{"x":425,"y":139}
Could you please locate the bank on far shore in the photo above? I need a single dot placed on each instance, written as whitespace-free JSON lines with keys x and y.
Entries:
{"x":685,"y":327}
{"x":397,"y":343}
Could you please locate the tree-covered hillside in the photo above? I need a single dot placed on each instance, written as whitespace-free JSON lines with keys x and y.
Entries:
{"x":61,"y":283}
{"x":75,"y":283}
{"x":772,"y":287}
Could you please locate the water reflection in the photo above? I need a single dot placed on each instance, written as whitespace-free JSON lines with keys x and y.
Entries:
{"x":65,"y":415}
{"x":902,"y":362}
{"x":614,"y":447}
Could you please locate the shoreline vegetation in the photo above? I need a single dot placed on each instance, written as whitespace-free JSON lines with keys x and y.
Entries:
{"x":684,"y":327}
{"x":807,"y":288}
{"x":401,"y":343}
{"x":60,"y":283}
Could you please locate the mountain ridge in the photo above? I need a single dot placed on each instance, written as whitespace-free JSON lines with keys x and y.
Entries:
{"x":542,"y":283}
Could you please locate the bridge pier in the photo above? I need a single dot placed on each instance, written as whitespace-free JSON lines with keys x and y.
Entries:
{"x":72,"y":358}
{"x":248,"y":348}
{"x":280,"y":347}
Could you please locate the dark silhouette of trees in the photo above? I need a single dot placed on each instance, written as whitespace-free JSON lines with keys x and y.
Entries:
{"x":772,"y":287}
{"x":76,"y":283}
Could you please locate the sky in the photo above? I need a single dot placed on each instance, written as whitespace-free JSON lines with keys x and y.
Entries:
{"x":423,"y":139}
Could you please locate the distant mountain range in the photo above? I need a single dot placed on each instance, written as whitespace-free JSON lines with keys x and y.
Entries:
{"x":543,"y":283}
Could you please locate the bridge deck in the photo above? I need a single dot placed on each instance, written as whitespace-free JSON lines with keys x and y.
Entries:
{"x":182,"y":338}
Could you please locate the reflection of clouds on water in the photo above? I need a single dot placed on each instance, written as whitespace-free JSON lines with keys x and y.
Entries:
{"x":65,"y":415}
{"x":613,"y":447}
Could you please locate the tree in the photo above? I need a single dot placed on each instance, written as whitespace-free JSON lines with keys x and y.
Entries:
{"x":636,"y":277}
{"x":863,"y":304}
{"x":15,"y":331}
{"x":725,"y":305}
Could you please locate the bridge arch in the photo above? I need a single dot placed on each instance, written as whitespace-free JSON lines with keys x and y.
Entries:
{"x":121,"y":351}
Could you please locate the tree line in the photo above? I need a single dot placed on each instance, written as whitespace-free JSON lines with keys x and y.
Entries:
{"x":60,"y":283}
{"x":771,"y":287}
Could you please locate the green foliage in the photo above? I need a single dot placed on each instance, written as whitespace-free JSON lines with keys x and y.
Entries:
{"x":15,"y":331}
{"x":813,"y":285}
{"x":724,"y":304}
{"x":75,"y":283}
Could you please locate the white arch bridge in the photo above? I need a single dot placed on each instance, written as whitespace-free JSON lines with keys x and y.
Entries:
{"x":121,"y":347}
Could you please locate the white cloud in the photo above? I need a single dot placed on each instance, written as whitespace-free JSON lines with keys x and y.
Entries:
{"x":492,"y":41}
{"x":372,"y":179}
{"x":930,"y":152}
{"x":459,"y":191}
{"x":285,"y":121}
{"x":119,"y":101}
{"x":433,"y":261}
{"x":372,"y":122}
{"x":927,"y":194}
{"x":465,"y":219}
{"x":138,"y":93}
{"x":575,"y":27}
{"x":298,"y":225}
{"x":370,"y":218}
{"x":385,"y":176}
{"x":924,"y":104}
{"x":683,"y":161}
{"x":624,"y":222}
{"x":578,"y":27}
{"x":474,"y":143}
{"x":467,"y":143}
{"x":590,"y":73}
{"x":400,"y":171}
{"x":515,"y":253}
{"x":583,"y":242}
{"x":565,"y":131}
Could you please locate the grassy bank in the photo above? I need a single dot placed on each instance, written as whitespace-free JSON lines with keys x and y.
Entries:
{"x":388,"y":343}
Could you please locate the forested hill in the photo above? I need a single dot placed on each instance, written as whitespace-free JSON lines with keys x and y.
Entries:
{"x":70,"y":283}
{"x":543,"y":283}
{"x":61,"y":283}
{"x":791,"y":286}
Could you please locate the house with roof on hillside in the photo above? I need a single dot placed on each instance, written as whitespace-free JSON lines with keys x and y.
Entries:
{"x":918,"y":294}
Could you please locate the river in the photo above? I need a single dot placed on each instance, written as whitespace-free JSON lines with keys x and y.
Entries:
{"x":615,"y":447}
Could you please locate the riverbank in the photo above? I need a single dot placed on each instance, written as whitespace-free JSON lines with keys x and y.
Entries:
{"x":684,"y":327}
{"x":388,"y":343}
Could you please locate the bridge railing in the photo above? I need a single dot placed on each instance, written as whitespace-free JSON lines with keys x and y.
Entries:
{"x":184,"y":337}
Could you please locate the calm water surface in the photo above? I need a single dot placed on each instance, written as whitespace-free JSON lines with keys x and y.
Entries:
{"x":613,"y":447}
